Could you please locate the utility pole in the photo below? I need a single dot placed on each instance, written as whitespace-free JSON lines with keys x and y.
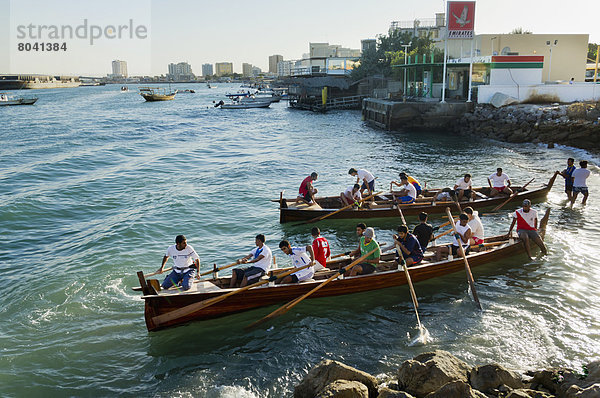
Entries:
{"x":550,"y":44}
{"x":406,"y":46}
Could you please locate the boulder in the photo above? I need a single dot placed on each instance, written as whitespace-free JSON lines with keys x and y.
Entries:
{"x":456,"y":389}
{"x":386,"y":392}
{"x":344,"y":389}
{"x":328,"y":371}
{"x":592,"y":391}
{"x":499,"y":100}
{"x":428,"y":372}
{"x":488,"y":377}
{"x":527,"y":393}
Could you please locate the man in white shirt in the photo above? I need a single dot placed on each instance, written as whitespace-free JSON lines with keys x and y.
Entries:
{"x":527,"y":223}
{"x":261,"y":259}
{"x":463,"y":188}
{"x":499,"y":183}
{"x":351,"y":195}
{"x":579,"y":182}
{"x":408,"y":192}
{"x":186,"y":262}
{"x":301,"y":256}
{"x":368,"y":181}
{"x":477,"y":234}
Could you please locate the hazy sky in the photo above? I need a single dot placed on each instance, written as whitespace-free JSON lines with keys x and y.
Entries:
{"x":246,"y":31}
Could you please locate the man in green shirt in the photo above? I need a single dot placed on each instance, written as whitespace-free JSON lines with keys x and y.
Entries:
{"x":367,"y":243}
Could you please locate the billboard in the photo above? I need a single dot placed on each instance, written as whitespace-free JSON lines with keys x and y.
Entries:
{"x":461,"y":19}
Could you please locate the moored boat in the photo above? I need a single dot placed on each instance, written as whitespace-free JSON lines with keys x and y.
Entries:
{"x":160,"y":305}
{"x":384,"y":206}
{"x":151,"y":94}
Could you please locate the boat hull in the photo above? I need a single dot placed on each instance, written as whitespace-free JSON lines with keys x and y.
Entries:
{"x":158,"y":97}
{"x":288,"y":214}
{"x":246,"y":105}
{"x":20,"y":101}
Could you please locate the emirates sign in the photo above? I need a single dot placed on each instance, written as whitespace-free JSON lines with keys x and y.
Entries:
{"x":460,"y":19}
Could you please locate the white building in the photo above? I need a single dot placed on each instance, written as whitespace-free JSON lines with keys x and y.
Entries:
{"x":207,"y":70}
{"x":284,"y":68}
{"x":181,"y":71}
{"x":119,"y":69}
{"x":246,"y":69}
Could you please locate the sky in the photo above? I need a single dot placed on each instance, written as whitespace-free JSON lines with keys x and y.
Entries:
{"x":238,"y":31}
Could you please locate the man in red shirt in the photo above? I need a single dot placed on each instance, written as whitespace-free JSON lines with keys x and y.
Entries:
{"x":320,"y":248}
{"x":526,"y":220}
{"x":307,"y":192}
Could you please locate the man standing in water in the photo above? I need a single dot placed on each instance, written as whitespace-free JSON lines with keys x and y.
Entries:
{"x":307,"y":192}
{"x":579,"y":182}
{"x":527,"y":222}
{"x":568,"y":176}
{"x":186,"y":262}
{"x":260,"y":257}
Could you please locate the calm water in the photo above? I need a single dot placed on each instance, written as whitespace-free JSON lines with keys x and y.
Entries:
{"x":95,"y":184}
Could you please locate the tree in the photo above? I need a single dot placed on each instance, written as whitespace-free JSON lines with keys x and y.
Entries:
{"x":520,"y":31}
{"x":592,"y":51}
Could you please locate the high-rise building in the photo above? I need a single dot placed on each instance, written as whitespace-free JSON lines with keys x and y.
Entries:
{"x":246,"y":70}
{"x":180,"y":71}
{"x":273,"y":61}
{"x":256,"y":71}
{"x":207,"y":70}
{"x":224,"y":68}
{"x":284,"y":68}
{"x":119,"y":68}
{"x":368,"y":44}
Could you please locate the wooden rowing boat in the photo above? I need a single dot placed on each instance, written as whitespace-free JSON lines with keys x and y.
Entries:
{"x":387,"y":275}
{"x":384,"y":205}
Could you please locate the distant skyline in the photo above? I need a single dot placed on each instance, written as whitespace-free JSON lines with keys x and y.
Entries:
{"x":202,"y":32}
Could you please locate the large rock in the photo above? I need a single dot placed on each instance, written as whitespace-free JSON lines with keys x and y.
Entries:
{"x":527,"y":393}
{"x":456,"y":389}
{"x":328,"y":371}
{"x":592,"y":391}
{"x":489,"y":377}
{"x":386,"y":392}
{"x":428,"y":372}
{"x":499,"y":100}
{"x":344,"y":389}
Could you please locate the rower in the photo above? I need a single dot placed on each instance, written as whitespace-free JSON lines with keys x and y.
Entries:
{"x":409,"y":245}
{"x":477,"y":235}
{"x":464,"y":188}
{"x":499,"y":183}
{"x":307,"y":192}
{"x":463,"y":232}
{"x":300,"y":257}
{"x":367,"y":243}
{"x":408,"y":192}
{"x":368,"y":181}
{"x":527,"y":222}
{"x":186,"y":263}
{"x":351,"y":195}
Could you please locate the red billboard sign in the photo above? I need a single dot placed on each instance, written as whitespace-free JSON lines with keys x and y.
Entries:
{"x":460,"y":19}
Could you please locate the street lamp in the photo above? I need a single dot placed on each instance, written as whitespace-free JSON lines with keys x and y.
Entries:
{"x":492,"y":40}
{"x":406,"y":46}
{"x":550,"y":44}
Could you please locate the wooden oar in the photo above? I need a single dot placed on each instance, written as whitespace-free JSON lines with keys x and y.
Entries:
{"x":447,"y":223}
{"x":218,"y":269}
{"x":512,"y":196}
{"x":413,"y":294}
{"x":286,"y":307}
{"x":156,"y":273}
{"x":464,"y":256}
{"x":195,"y":307}
{"x":442,"y":234}
{"x":343,"y":208}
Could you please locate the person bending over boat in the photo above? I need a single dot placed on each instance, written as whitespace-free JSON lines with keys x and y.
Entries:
{"x":367,"y":243}
{"x":423,"y":231}
{"x":409,"y":245}
{"x":301,"y":256}
{"x":307,"y":192}
{"x":527,"y":222}
{"x":367,"y":179}
{"x":463,"y":232}
{"x":499,"y":183}
{"x":567,"y":174}
{"x":260,"y":257}
{"x":477,"y":233}
{"x":351,"y":195}
{"x":185,"y":264}
{"x":464,"y":188}
{"x":408,"y":192}
{"x":321,"y":249}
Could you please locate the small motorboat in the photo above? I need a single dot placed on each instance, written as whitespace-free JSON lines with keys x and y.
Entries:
{"x":7,"y":100}
{"x":244,"y":103}
{"x":124,"y":89}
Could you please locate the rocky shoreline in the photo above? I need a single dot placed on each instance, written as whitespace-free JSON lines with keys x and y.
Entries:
{"x":439,"y":374}
{"x":576,"y":124}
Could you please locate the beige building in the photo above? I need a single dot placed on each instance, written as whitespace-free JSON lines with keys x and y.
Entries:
{"x":273,"y":61}
{"x":246,"y":69}
{"x":223,"y":68}
{"x":569,"y":51}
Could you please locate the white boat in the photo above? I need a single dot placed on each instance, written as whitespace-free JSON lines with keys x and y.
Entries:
{"x":7,"y":100}
{"x":244,"y":103}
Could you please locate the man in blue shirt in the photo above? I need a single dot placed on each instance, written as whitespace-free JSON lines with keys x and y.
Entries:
{"x":409,"y":247}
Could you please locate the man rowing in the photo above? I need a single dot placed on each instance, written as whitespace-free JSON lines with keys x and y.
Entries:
{"x":412,"y":253}
{"x":364,"y":176}
{"x":261,"y":259}
{"x":477,"y":233}
{"x":408,"y":192}
{"x":464,"y":188}
{"x":423,"y":231}
{"x":307,"y":192}
{"x":321,"y":249}
{"x":499,"y":183}
{"x":301,"y":256}
{"x":185,"y":264}
{"x":351,"y":195}
{"x":527,"y":222}
{"x":369,"y":264}
{"x":463,"y":234}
